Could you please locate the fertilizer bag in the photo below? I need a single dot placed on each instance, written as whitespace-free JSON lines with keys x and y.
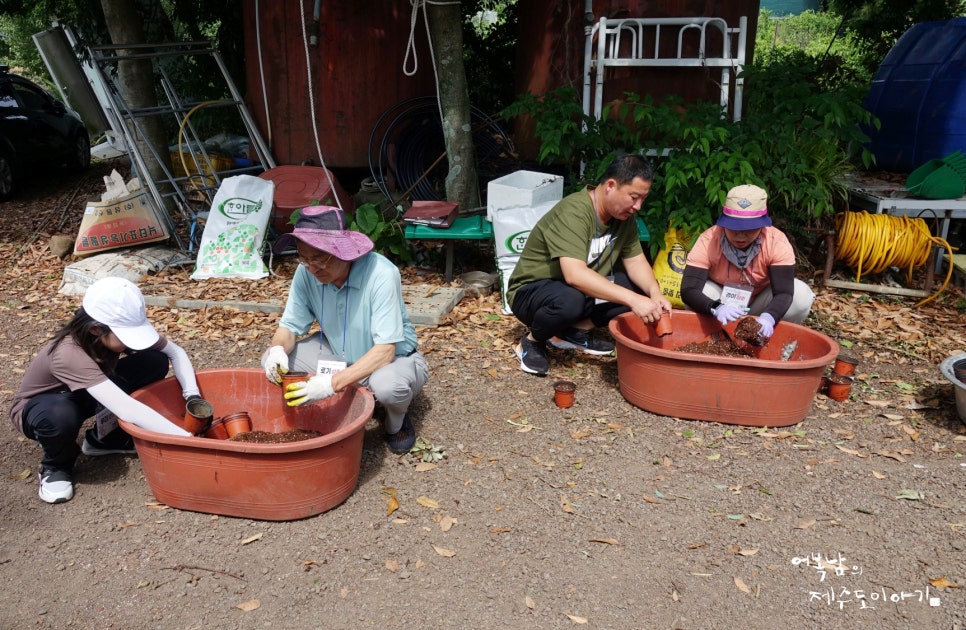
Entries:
{"x":669,"y":265}
{"x":234,"y":236}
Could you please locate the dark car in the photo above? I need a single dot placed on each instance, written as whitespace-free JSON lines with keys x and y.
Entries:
{"x":36,"y":130}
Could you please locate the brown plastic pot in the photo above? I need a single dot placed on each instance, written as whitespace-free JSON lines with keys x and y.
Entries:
{"x":839,"y":387}
{"x":663,"y":326}
{"x":238,"y":422}
{"x":272,"y":482}
{"x":197,"y":415}
{"x":563,"y":394}
{"x":749,"y":391}
{"x":845,"y":365}
{"x":293,"y":377}
{"x":217,"y":430}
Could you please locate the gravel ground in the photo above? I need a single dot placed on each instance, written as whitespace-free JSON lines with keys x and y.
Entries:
{"x":601,"y":515}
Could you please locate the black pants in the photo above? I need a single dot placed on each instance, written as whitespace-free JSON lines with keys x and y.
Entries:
{"x":548,"y":307}
{"x":55,"y":419}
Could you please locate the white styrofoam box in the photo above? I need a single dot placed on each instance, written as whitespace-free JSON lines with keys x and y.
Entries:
{"x":522,"y":189}
{"x":511,"y":227}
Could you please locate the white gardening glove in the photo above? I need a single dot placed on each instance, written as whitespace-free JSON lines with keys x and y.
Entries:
{"x":727,"y":313}
{"x":316,"y":388}
{"x":276,"y":364}
{"x":767,"y":323}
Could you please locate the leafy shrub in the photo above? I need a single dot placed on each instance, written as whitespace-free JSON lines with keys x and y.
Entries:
{"x":799,"y":134}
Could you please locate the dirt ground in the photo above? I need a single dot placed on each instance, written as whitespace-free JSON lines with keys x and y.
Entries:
{"x":602,"y":515}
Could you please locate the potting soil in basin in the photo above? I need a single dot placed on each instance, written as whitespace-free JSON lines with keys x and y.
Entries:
{"x":747,"y":391}
{"x":274,"y":482}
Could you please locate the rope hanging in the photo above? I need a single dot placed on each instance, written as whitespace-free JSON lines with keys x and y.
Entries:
{"x":871,"y":243}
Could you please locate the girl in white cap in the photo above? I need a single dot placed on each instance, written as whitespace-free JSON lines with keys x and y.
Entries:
{"x":104,"y":353}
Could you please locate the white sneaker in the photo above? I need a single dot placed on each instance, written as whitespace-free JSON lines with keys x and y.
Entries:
{"x":56,"y":486}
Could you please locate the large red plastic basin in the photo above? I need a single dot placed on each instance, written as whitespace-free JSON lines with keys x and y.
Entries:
{"x":274,"y":482}
{"x":733,"y":390}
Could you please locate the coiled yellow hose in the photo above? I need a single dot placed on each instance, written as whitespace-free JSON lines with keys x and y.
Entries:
{"x":871,"y":243}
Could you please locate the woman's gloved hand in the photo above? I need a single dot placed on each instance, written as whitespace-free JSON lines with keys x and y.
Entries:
{"x":728,"y":313}
{"x":316,"y":388}
{"x":276,"y":364}
{"x":767,"y":323}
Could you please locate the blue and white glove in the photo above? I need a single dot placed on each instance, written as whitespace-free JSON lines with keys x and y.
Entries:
{"x":276,"y":364}
{"x":727,"y":313}
{"x":316,"y":388}
{"x":767,"y":323}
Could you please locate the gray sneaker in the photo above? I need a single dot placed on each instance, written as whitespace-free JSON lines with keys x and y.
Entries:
{"x":56,"y":486}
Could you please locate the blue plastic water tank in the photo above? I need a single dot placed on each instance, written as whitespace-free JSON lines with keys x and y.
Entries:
{"x":919,"y":96}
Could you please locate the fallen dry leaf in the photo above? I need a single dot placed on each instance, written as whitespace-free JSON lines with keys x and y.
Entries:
{"x":392,"y":565}
{"x":577,"y":620}
{"x":891,"y":455}
{"x":529,"y":602}
{"x":942,"y":583}
{"x":427,"y":502}
{"x":127,"y":524}
{"x":805,"y":524}
{"x":565,"y":505}
{"x":252,"y":539}
{"x":748,"y":552}
{"x":26,"y":472}
{"x":424,"y":467}
{"x":500,"y":530}
{"x":742,"y":586}
{"x":878,"y":475}
{"x":446,"y":523}
{"x":446,"y":553}
{"x":850,"y":451}
{"x":250,"y":605}
{"x":606,"y":541}
{"x":343,"y":592}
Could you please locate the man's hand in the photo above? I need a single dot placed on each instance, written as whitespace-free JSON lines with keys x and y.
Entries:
{"x":728,"y":313}
{"x":648,"y":309}
{"x":316,"y":388}
{"x":767,"y":323}
{"x":276,"y":364}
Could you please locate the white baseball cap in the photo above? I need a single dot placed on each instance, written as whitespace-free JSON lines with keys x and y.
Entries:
{"x":118,"y":304}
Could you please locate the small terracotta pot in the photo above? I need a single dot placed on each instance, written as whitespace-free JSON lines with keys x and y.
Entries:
{"x":845,"y":365}
{"x":217,"y":430}
{"x":563,"y":393}
{"x":663,"y":326}
{"x":839,"y":387}
{"x":293,"y":377}
{"x":238,"y":422}
{"x":197,"y":415}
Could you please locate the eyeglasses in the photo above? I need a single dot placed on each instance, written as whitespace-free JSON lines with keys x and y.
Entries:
{"x":316,"y":262}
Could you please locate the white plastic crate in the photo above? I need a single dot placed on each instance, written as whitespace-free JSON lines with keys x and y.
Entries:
{"x":522,"y":189}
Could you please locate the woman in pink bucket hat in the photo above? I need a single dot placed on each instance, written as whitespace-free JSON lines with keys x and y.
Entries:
{"x":744,"y":265}
{"x":366,"y":337}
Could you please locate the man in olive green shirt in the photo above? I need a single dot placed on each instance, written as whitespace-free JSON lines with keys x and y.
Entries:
{"x":583,"y":265}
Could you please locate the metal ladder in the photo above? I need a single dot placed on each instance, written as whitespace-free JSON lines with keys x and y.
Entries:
{"x":187,"y":195}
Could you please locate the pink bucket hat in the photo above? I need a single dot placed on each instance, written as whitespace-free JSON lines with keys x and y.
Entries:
{"x":324,"y":228}
{"x":745,"y":208}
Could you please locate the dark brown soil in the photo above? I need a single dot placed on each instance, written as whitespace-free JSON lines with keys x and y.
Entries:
{"x":266,"y":437}
{"x":714,"y":347}
{"x":749,"y":330}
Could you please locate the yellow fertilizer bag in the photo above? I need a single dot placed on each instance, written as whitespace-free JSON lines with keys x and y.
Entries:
{"x":669,"y":264}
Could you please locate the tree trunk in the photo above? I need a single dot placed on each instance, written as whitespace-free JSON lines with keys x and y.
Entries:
{"x":446,"y":30}
{"x":136,"y":81}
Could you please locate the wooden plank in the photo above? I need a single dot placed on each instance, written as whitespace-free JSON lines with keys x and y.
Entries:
{"x":876,"y":288}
